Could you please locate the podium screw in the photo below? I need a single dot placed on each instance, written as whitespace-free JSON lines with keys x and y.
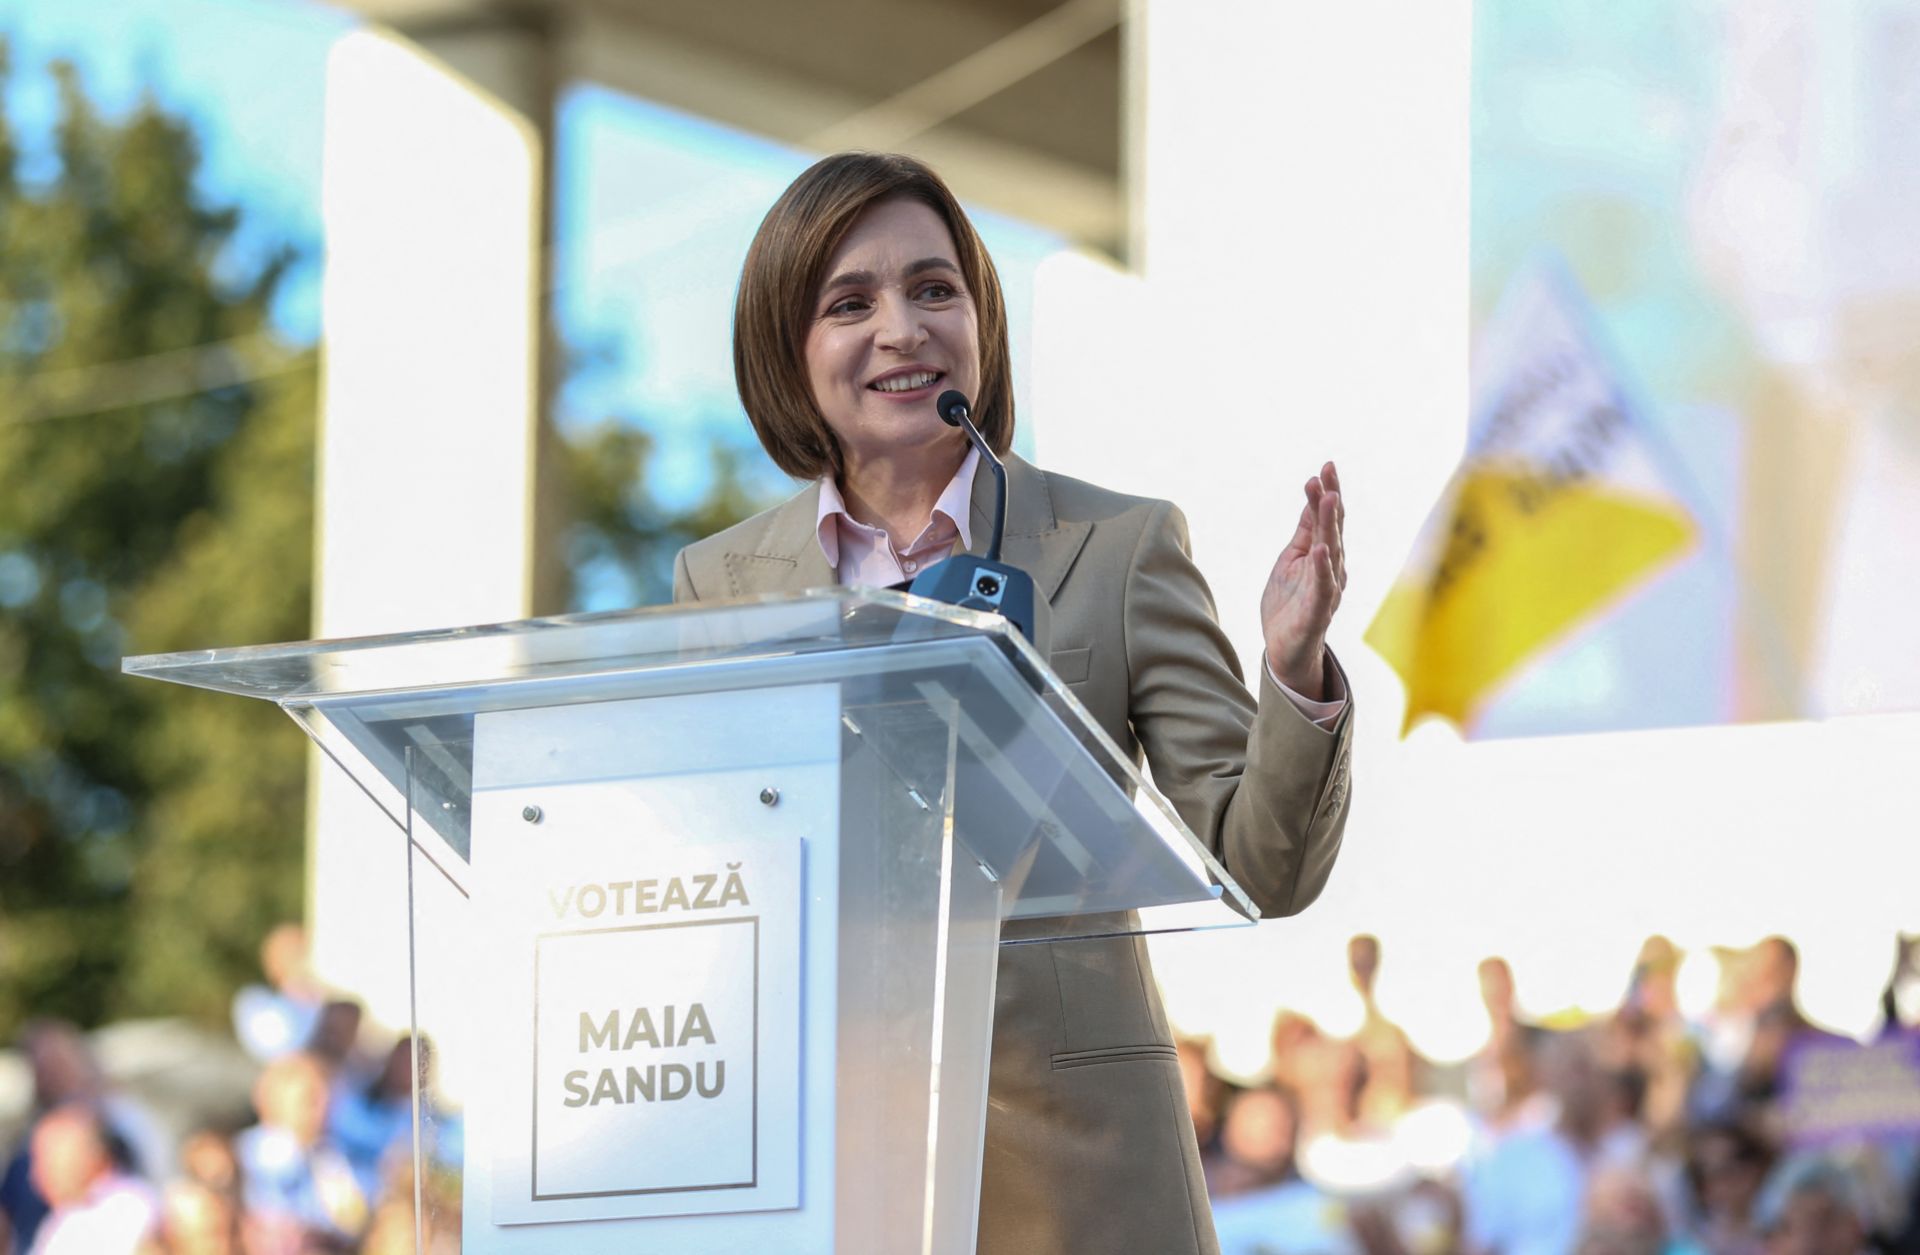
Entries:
{"x":769,"y":797}
{"x":532,"y":814}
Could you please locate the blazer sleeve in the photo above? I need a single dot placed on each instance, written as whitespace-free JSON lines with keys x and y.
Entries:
{"x":1255,"y":779}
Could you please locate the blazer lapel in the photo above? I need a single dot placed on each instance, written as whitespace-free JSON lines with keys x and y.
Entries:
{"x":1035,"y":541}
{"x":785,"y":557}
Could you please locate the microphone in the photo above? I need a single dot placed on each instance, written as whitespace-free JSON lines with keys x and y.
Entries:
{"x":955,"y":412}
{"x":985,"y":583}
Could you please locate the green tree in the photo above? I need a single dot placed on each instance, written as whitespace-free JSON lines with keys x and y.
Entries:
{"x":156,"y":494}
{"x":156,"y":470}
{"x":619,"y":538}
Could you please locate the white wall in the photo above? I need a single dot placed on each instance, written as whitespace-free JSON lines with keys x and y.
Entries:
{"x":1301,"y":181}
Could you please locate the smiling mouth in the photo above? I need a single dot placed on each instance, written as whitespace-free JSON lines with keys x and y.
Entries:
{"x":910,"y":382}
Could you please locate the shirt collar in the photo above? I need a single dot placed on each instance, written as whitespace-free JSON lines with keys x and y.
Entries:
{"x":956,"y":502}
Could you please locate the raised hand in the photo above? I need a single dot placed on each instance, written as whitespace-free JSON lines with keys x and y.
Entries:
{"x":1304,"y":589}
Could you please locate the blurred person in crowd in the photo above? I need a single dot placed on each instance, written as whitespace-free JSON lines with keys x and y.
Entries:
{"x":1812,"y":1206}
{"x":1392,"y":1065}
{"x":280,"y":1016}
{"x":293,"y":1176}
{"x":1903,"y":1236}
{"x":1650,"y":1035}
{"x":1257,"y":1140}
{"x":97,"y":1207}
{"x":1497,"y":995}
{"x":1770,"y":977}
{"x":1328,"y":1075}
{"x":391,"y":1232}
{"x":64,"y":1072}
{"x":1623,"y":1216}
{"x":1501,"y":1081}
{"x":391,"y":1229}
{"x":196,"y":1219}
{"x":1526,"y":1196}
{"x":1727,"y":1164}
{"x":1632,"y":1138}
{"x":1339,"y":1149}
{"x":1264,"y":1206}
{"x":207,"y":1156}
{"x":1753,"y":1090}
{"x":1722,"y":1032}
{"x":1291,"y":1035}
{"x":1625,"y":1088}
{"x":374,"y":1121}
{"x":1751,"y":1033}
{"x":1425,"y":1220}
{"x":1900,"y":1001}
{"x":335,"y":1039}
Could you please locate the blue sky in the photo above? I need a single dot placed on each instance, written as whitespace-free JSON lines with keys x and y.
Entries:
{"x":249,"y":74}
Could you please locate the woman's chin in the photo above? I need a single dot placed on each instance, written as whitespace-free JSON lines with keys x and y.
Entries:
{"x":904,"y":437}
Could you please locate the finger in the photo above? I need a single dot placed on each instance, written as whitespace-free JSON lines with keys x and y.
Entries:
{"x":1337,"y":541}
{"x":1323,"y":522}
{"x":1326,"y":587}
{"x":1302,"y":539}
{"x":1303,"y":531}
{"x":1330,"y":476}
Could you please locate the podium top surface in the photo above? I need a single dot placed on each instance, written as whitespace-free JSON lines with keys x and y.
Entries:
{"x":397,"y":711}
{"x":583,"y":644}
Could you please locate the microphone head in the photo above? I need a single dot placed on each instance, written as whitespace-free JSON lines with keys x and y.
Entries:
{"x":951,"y":405}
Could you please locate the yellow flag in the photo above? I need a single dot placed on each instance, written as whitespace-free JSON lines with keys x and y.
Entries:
{"x":1557,"y":511}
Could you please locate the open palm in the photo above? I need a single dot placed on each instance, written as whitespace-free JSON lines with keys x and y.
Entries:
{"x":1303,"y":591}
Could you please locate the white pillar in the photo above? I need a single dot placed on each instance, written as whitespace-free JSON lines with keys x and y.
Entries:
{"x":432,"y":198}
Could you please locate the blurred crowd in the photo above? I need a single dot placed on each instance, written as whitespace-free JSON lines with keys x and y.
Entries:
{"x":320,"y":1164}
{"x":1641,"y":1132}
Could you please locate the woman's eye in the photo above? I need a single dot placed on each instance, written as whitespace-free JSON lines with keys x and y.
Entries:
{"x":846,"y":305}
{"x":936,"y":292}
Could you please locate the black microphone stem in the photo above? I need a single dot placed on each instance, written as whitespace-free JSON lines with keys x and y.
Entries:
{"x":954,"y":410}
{"x":999,"y":491}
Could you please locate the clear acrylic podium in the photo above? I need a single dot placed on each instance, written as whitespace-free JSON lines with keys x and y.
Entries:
{"x":706,"y":903}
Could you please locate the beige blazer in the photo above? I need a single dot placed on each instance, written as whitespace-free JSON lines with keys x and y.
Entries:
{"x":1090,"y":1150}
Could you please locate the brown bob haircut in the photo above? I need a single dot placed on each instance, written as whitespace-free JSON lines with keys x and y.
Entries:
{"x":784,"y":269}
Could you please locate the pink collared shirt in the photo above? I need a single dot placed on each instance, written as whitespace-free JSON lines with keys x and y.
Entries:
{"x":867,"y":557}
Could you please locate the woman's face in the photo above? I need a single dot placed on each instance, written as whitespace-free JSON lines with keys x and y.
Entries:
{"x":893,"y":327}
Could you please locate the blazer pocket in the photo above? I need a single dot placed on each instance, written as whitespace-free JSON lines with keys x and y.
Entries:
{"x":1071,"y":665}
{"x":1115,"y":1054}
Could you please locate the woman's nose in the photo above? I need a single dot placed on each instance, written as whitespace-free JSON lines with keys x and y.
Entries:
{"x":899,"y":326}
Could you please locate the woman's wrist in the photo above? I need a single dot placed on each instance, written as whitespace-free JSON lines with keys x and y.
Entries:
{"x":1306,"y":674}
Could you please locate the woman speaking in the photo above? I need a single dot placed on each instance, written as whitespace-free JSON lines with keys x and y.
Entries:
{"x":865,"y":295}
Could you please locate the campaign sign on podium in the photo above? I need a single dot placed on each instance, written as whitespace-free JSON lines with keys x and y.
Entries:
{"x":706,"y":905}
{"x":648,"y":941}
{"x":663,"y":1045}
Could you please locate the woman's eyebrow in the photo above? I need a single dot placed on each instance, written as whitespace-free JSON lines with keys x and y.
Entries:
{"x":848,"y":279}
{"x":864,"y":278}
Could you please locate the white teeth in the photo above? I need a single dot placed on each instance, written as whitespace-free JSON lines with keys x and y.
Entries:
{"x":906,"y":383}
